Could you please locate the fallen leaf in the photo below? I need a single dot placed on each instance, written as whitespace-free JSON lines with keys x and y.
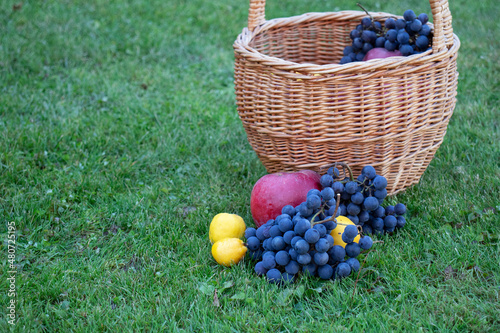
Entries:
{"x":65,"y":305}
{"x":239,"y":296}
{"x":206,"y":288}
{"x":283,"y":297}
{"x":226,"y":285}
{"x":449,"y":273}
{"x":312,"y":291}
{"x":187,"y":210}
{"x":216,"y":299}
{"x":134,"y":263}
{"x":113,"y":229}
{"x":490,"y":209}
{"x":299,"y":291}
{"x":376,"y":290}
{"x":478,"y":272}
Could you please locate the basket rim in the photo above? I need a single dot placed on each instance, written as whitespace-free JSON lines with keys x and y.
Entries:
{"x":305,"y":70}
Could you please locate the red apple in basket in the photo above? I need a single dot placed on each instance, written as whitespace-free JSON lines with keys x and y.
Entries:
{"x":274,"y":191}
{"x":380,"y":53}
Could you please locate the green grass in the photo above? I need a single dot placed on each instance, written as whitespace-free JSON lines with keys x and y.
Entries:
{"x":119,"y":141}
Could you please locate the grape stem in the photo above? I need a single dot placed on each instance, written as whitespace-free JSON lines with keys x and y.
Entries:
{"x":346,"y":166}
{"x":315,"y":215}
{"x":360,"y":229}
{"x":332,"y":218}
{"x":367,"y":13}
{"x":361,"y":6}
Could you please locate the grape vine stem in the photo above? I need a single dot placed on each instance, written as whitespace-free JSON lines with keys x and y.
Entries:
{"x":333,"y":217}
{"x":367,"y":13}
{"x":346,"y":166}
{"x":359,"y":271}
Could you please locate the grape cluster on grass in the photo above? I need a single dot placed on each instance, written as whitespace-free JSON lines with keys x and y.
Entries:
{"x":361,"y":201}
{"x":289,"y":246}
{"x":299,"y":241}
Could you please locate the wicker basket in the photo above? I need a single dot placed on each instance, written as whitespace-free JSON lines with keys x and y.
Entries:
{"x":301,"y":110}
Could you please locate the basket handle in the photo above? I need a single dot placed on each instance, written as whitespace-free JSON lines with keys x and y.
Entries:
{"x":256,"y":13}
{"x":443,"y":31}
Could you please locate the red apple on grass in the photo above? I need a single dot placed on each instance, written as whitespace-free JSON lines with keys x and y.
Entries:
{"x":274,"y":191}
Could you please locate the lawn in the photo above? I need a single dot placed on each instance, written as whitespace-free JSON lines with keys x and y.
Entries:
{"x":120,"y":140}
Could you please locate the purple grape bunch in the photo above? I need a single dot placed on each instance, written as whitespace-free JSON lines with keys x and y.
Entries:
{"x":291,"y":245}
{"x":362,"y":199}
{"x":409,"y":35}
{"x":299,"y":241}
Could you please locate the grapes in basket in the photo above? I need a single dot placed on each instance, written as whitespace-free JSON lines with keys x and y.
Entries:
{"x":393,"y":37}
{"x":324,"y":235}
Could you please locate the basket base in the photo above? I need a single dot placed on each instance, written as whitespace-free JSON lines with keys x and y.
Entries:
{"x":401,"y":171}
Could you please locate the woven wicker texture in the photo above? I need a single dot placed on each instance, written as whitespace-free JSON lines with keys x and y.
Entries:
{"x":301,"y":110}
